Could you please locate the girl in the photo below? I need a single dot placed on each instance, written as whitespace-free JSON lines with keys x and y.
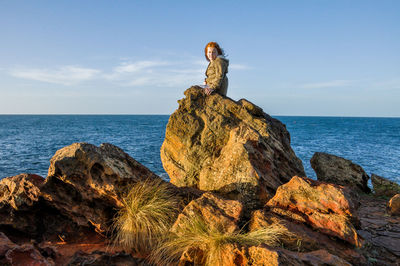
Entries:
{"x":216,"y":80}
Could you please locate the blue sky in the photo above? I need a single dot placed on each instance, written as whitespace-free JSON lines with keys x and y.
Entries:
{"x":327,"y":58}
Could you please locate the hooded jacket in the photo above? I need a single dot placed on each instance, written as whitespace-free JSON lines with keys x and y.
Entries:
{"x":216,"y":75}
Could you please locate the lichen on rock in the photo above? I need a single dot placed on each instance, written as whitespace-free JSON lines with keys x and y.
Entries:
{"x":384,"y":187}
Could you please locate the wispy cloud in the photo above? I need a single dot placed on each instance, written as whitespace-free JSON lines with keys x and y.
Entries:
{"x":155,"y":73}
{"x":138,"y":66}
{"x":66,"y":75}
{"x":327,"y":84}
{"x":238,"y":66}
{"x":158,"y":73}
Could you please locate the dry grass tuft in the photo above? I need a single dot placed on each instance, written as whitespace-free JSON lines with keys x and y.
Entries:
{"x":149,"y":210}
{"x":196,"y":234}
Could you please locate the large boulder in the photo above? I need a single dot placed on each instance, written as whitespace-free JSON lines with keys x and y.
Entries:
{"x":87,"y":183}
{"x":384,"y":187}
{"x":326,"y":207}
{"x":337,"y":170}
{"x":216,"y":144}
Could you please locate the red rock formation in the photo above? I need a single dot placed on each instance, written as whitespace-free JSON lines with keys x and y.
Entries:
{"x":305,"y":239}
{"x":324,"y":206}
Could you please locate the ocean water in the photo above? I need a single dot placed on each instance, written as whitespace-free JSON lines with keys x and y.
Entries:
{"x":27,"y":142}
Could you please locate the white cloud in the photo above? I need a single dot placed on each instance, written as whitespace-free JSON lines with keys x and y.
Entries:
{"x":66,"y":75}
{"x":137,"y":66}
{"x":238,"y":66}
{"x":156,"y":73}
{"x":327,"y":84}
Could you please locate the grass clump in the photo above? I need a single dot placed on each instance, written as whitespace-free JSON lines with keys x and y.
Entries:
{"x":148,"y":212}
{"x":209,"y":242}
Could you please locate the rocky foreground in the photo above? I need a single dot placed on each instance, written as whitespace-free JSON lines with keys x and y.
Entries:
{"x":228,"y":162}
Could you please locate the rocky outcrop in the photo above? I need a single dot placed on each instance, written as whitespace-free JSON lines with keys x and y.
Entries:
{"x":326,"y":207}
{"x":216,"y":212}
{"x":84,"y":189}
{"x":303,"y":238}
{"x":87,"y":183}
{"x":394,"y":205}
{"x":337,"y":170}
{"x":216,"y":144}
{"x":384,"y":187}
{"x":19,"y":196}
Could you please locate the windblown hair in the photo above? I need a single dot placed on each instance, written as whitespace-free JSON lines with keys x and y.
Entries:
{"x":216,"y":46}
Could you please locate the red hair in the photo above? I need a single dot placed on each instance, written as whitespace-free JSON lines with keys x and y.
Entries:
{"x":213,"y":45}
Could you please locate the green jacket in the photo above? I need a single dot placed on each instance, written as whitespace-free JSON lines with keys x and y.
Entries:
{"x":216,"y":75}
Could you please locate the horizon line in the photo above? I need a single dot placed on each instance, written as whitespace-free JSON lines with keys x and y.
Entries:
{"x":89,"y":114}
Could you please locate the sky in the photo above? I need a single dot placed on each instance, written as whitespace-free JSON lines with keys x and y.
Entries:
{"x":309,"y":57}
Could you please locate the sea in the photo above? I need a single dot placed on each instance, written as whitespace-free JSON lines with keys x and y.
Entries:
{"x":27,"y":142}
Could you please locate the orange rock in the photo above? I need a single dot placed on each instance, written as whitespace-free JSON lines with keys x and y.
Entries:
{"x":305,"y":239}
{"x":263,"y":255}
{"x":326,"y":207}
{"x":394,"y":205}
{"x":216,"y":144}
{"x":216,"y":212}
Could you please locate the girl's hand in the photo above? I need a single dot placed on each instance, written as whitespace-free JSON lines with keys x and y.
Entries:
{"x":208,"y":90}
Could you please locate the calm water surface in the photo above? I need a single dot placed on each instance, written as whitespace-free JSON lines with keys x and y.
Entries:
{"x":27,"y":142}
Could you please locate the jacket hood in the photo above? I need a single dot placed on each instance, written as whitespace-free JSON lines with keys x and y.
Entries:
{"x":224,"y":59}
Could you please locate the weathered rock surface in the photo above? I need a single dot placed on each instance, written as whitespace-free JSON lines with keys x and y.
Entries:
{"x":5,"y":244}
{"x":384,"y":187}
{"x":84,"y":249}
{"x":215,"y":211}
{"x":86,"y":183}
{"x":380,"y":231}
{"x":214,"y":143}
{"x":304,"y":238}
{"x":337,"y":170}
{"x":263,"y":255}
{"x":106,"y":258}
{"x":326,"y":207}
{"x":394,"y":205}
{"x":18,"y":202}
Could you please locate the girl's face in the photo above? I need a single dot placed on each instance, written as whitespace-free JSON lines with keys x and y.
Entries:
{"x":212,"y":53}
